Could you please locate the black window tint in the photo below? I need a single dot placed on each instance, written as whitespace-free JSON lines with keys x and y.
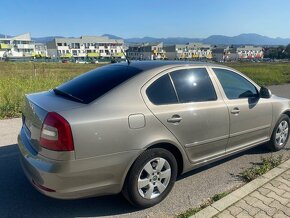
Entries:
{"x":193,"y":85}
{"x":234,"y":85}
{"x":96,"y":83}
{"x":161,"y":91}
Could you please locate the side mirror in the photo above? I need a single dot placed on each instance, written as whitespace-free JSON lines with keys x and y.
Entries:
{"x":265,"y":93}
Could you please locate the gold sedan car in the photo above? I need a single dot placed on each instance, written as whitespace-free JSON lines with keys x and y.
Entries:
{"x":133,"y":128}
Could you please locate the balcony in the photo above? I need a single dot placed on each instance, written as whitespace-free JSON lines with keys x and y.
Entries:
{"x":118,"y":55}
{"x":25,"y":46}
{"x":67,"y":55}
{"x":5,"y":46}
{"x":93,"y":54}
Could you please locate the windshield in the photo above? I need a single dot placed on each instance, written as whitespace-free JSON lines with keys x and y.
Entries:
{"x":93,"y":84}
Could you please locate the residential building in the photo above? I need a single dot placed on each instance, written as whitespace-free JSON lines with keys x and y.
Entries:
{"x":20,"y":46}
{"x":40,"y":50}
{"x":188,"y":51}
{"x":250,"y":52}
{"x":86,"y":47}
{"x":224,"y":54}
{"x":176,"y":52}
{"x":199,"y":51}
{"x":147,"y":51}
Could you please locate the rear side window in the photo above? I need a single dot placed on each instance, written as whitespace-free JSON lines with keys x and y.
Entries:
{"x":193,"y":85}
{"x":91,"y":85}
{"x":161,"y":91}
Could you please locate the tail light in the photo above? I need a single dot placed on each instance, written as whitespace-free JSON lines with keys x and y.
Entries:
{"x":56,"y":133}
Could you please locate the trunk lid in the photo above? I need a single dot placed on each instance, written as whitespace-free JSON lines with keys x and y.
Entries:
{"x":34,"y":112}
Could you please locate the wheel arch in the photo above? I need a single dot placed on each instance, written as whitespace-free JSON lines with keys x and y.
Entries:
{"x":174,"y":150}
{"x":165,"y":145}
{"x":287,"y":112}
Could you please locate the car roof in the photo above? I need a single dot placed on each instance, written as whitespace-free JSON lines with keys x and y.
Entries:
{"x":149,"y":65}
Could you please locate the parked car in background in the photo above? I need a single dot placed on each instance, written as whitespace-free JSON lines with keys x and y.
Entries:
{"x":65,"y":61}
{"x":82,"y":62}
{"x":133,"y":128}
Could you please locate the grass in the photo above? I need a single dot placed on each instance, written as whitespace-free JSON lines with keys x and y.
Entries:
{"x":17,"y":79}
{"x":213,"y":199}
{"x":265,"y":73}
{"x":266,"y":164}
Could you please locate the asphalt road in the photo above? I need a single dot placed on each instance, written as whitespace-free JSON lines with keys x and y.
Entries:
{"x":20,"y":199}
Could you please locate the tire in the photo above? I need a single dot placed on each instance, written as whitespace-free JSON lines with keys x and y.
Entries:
{"x":150,"y":178}
{"x":280,"y":134}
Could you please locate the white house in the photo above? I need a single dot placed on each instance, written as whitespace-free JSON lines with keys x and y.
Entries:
{"x":17,"y":47}
{"x":250,"y":52}
{"x":85,"y":46}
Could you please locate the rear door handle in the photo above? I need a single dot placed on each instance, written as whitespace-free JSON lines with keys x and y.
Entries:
{"x":174,"y":119}
{"x":235,"y":110}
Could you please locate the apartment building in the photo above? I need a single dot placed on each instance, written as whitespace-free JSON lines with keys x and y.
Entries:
{"x":176,"y":52}
{"x":199,"y":51}
{"x":86,"y":47}
{"x":224,"y":54}
{"x":147,"y":51}
{"x":21,"y":46}
{"x":188,"y":51}
{"x":40,"y":50}
{"x":250,"y":52}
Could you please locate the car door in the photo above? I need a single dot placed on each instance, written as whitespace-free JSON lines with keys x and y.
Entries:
{"x":186,"y":102}
{"x":250,"y":116}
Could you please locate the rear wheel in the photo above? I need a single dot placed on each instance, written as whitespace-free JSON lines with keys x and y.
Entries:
{"x":280,"y":134}
{"x":151,"y":178}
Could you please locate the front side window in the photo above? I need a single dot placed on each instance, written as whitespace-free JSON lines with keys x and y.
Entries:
{"x":193,"y":85}
{"x":161,"y":91}
{"x":234,"y":85}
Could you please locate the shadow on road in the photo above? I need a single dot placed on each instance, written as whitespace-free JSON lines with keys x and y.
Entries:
{"x":256,"y":150}
{"x":20,"y":199}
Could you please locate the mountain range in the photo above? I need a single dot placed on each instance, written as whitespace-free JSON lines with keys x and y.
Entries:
{"x":242,"y":39}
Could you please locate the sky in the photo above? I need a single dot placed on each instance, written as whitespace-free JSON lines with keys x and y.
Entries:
{"x":140,"y":18}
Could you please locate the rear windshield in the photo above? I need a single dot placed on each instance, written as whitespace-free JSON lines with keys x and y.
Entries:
{"x":93,"y":84}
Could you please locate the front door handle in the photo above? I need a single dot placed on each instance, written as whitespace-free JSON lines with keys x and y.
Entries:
{"x":174,"y":119}
{"x":235,"y":111}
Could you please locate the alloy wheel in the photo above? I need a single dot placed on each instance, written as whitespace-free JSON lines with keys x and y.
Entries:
{"x":154,"y":178}
{"x":281,"y":133}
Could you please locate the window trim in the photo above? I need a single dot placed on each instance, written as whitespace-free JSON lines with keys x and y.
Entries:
{"x":145,"y":91}
{"x":221,"y":89}
{"x":176,"y":68}
{"x":178,"y":101}
{"x":215,"y":92}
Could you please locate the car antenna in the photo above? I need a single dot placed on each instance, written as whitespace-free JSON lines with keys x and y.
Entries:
{"x":127,"y":59}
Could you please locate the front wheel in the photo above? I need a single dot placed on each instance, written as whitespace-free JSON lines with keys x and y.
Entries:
{"x":151,"y":178}
{"x":280,"y":134}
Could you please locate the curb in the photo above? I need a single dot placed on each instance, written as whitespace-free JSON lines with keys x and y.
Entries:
{"x":240,"y":193}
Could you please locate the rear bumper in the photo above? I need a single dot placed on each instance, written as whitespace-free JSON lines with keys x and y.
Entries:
{"x":72,"y":179}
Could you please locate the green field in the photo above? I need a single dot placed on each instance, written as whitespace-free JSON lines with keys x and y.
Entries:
{"x":16,"y":79}
{"x":265,"y":73}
